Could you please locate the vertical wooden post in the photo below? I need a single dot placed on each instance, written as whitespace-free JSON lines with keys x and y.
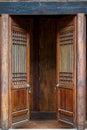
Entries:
{"x":81,"y":71}
{"x":4,"y":71}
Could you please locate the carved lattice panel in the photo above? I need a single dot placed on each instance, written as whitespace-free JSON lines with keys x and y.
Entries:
{"x":66,"y":78}
{"x":66,"y":57}
{"x":19,"y":43}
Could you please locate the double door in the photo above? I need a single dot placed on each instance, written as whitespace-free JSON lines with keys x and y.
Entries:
{"x":20,"y":30}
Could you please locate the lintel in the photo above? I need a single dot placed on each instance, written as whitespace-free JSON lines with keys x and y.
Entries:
{"x":43,"y":8}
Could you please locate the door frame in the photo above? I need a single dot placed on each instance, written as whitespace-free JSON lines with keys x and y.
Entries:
{"x":79,"y":8}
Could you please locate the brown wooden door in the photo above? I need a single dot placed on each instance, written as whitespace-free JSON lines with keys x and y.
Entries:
{"x":20,"y":70}
{"x":66,"y":70}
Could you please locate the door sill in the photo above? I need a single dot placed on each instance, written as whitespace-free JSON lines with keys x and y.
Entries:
{"x":37,"y":115}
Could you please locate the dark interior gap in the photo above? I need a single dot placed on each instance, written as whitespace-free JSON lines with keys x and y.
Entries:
{"x":41,"y":30}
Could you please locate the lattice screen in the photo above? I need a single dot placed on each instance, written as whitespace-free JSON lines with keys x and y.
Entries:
{"x":19,"y":43}
{"x":66,"y":56}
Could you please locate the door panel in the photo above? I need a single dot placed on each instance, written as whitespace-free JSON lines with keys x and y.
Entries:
{"x":67,"y":97}
{"x":19,"y":105}
{"x":66,"y":69}
{"x":18,"y":100}
{"x":20,"y":70}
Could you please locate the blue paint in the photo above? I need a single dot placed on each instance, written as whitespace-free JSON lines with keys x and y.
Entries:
{"x":43,"y":8}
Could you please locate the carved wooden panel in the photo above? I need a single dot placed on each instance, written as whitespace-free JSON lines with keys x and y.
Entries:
{"x":19,"y":40}
{"x":19,"y":105}
{"x":19,"y":70}
{"x":66,"y":69}
{"x":66,"y":56}
{"x":18,"y":100}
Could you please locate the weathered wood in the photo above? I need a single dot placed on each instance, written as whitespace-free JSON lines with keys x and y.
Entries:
{"x":31,"y":8}
{"x":19,"y":70}
{"x":81,"y":70}
{"x":4,"y":70}
{"x":43,"y":64}
{"x":66,"y":69}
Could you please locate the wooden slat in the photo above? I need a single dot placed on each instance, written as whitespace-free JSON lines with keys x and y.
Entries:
{"x":4,"y":70}
{"x":65,"y":112}
{"x":20,"y":111}
{"x":65,"y":87}
{"x":81,"y":71}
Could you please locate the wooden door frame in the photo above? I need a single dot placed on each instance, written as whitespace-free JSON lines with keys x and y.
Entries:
{"x":81,"y":71}
{"x":81,"y":59}
{"x":4,"y":70}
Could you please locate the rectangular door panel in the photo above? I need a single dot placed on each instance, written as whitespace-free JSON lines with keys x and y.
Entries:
{"x":19,"y":105}
{"x":66,"y":69}
{"x":20,"y":70}
{"x":66,"y":99}
{"x":66,"y":108}
{"x":18,"y":100}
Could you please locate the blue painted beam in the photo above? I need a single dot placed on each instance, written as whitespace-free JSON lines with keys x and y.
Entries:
{"x":43,"y":8}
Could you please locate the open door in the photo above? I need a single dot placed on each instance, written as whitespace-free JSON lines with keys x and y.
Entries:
{"x":66,"y":70}
{"x":19,"y":70}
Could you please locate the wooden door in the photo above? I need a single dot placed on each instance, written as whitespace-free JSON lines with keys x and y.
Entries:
{"x":66,"y":70}
{"x":19,"y":70}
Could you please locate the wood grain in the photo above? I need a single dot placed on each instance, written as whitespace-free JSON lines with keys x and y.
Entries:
{"x":47,"y":64}
{"x":66,"y":69}
{"x":19,"y":68}
{"x":81,"y":71}
{"x":4,"y":70}
{"x":43,"y":51}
